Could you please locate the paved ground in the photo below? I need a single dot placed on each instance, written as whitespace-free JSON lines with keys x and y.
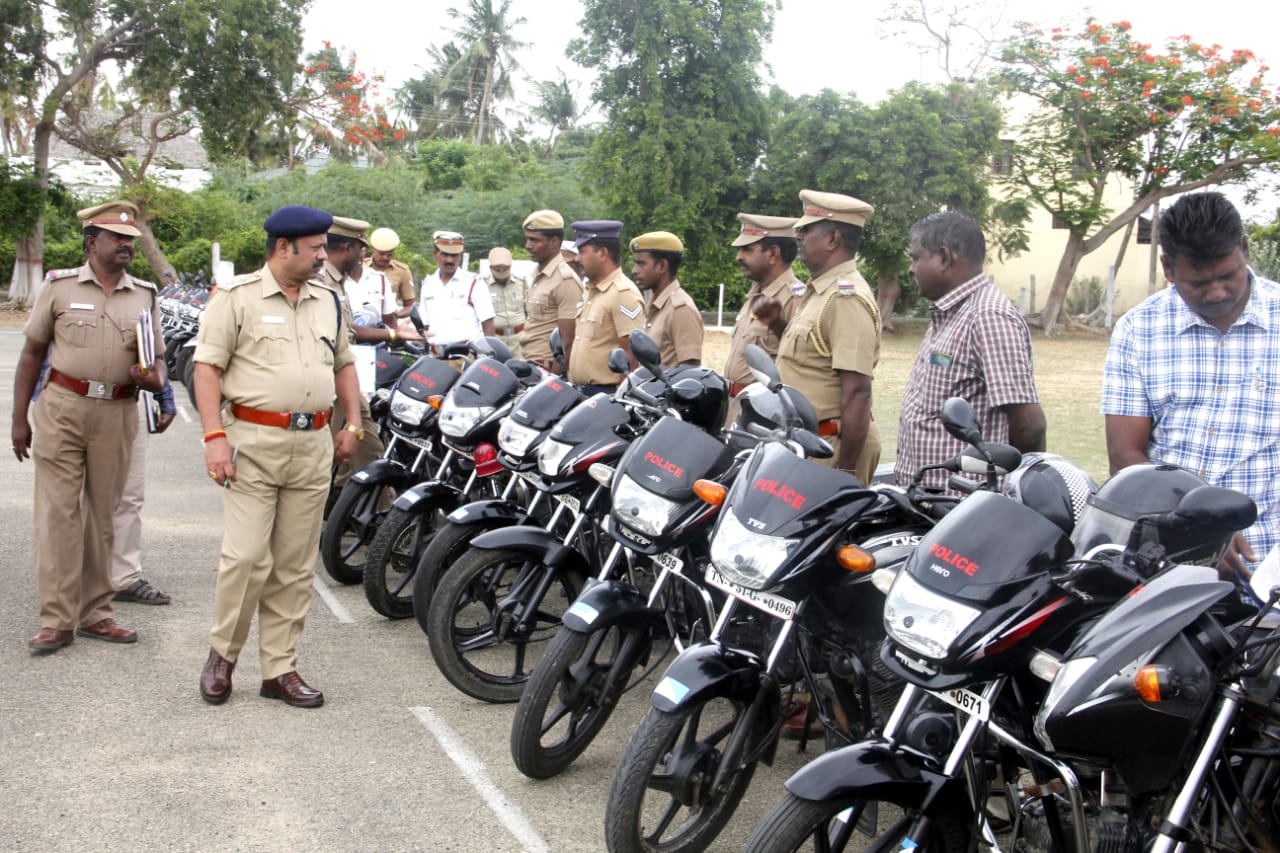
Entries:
{"x":111,"y":747}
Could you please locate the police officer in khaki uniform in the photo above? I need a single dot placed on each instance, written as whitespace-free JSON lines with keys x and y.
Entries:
{"x":673,"y":320}
{"x":766,"y":247}
{"x":382,"y":246}
{"x":610,"y":309}
{"x":86,"y":323}
{"x":274,"y":346}
{"x":830,"y":348}
{"x":552,"y":298}
{"x":507,"y":296}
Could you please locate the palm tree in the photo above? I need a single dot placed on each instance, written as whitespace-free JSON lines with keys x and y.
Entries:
{"x":556,"y":106}
{"x":487,"y":62}
{"x":435,"y":104}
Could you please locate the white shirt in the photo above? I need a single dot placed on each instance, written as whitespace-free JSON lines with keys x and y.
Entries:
{"x":370,"y":297}
{"x":454,"y":311}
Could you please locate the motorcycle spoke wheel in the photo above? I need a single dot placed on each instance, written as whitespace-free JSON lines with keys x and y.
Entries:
{"x":830,"y":826}
{"x":564,"y":705}
{"x":350,"y":529}
{"x":393,"y":559}
{"x":472,"y":626}
{"x":661,"y":797}
{"x":447,"y":546}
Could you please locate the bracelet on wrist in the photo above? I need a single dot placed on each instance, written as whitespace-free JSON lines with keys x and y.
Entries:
{"x":393,"y":335}
{"x":217,"y":433}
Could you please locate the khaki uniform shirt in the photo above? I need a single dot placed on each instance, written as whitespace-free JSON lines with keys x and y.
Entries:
{"x":401,"y":280}
{"x":837,"y":327}
{"x":275,"y":356}
{"x":787,"y":290}
{"x":92,"y":334}
{"x":508,"y":305}
{"x":610,"y":309}
{"x":675,"y":325}
{"x":554,"y":295}
{"x":336,"y":282}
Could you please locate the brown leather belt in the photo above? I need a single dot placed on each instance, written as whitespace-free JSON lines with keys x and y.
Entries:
{"x":93,"y":390}
{"x":284,"y":420}
{"x":831,"y":426}
{"x":735,"y":388}
{"x":506,"y":331}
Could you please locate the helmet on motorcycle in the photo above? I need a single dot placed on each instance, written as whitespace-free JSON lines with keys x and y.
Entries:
{"x":1053,"y":486}
{"x":758,"y":405}
{"x":1145,"y":489}
{"x":699,"y":394}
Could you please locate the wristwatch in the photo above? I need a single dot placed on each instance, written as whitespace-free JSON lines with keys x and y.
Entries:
{"x":358,"y":431}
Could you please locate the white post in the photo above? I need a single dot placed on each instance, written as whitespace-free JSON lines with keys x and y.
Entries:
{"x":1111,"y":294}
{"x":1033,"y":293}
{"x":1022,"y":301}
{"x":720,"y":308}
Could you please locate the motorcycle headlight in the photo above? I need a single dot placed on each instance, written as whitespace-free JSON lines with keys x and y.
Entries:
{"x":550,"y":455}
{"x":922,"y":620}
{"x":516,"y":439}
{"x":456,"y":421}
{"x":408,"y":410}
{"x":1068,"y":674}
{"x":744,"y":557}
{"x":640,"y":509}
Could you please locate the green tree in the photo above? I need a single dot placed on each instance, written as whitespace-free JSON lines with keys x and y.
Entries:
{"x":1108,"y":106}
{"x":680,"y":86}
{"x":556,"y":107}
{"x":218,"y":65}
{"x":484,"y":69}
{"x":435,"y":104}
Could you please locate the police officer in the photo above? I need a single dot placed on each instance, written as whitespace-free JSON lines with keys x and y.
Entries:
{"x":551,"y":301}
{"x":86,"y":323}
{"x":611,"y":307}
{"x":766,"y":247}
{"x":830,"y":348}
{"x":382,"y":246}
{"x":273,"y":344}
{"x":673,"y":320}
{"x":507,"y":296}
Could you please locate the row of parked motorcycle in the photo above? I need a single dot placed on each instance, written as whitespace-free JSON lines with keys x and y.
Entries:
{"x":1032,"y":663}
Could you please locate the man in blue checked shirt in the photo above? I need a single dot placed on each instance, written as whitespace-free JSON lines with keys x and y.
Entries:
{"x":1193,"y":373}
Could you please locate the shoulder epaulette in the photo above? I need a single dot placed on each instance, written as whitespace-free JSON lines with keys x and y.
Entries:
{"x":52,"y":274}
{"x":245,"y":278}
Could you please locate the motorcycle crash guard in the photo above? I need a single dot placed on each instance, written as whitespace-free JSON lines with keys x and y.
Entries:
{"x":385,"y":472}
{"x":876,"y":770}
{"x":497,"y":510}
{"x":428,"y":497}
{"x":603,"y":604}
{"x":537,"y":543}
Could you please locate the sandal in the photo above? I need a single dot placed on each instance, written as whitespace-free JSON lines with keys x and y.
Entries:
{"x":142,"y":592}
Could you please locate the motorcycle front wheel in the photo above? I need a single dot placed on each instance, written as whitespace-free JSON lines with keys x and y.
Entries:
{"x":449,"y":543}
{"x":830,"y":826}
{"x":661,"y":797}
{"x":393,"y":558}
{"x":350,"y":529}
{"x":473,"y":624}
{"x":564,"y":705}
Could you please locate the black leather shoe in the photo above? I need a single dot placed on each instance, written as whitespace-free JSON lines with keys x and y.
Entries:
{"x":292,"y":690}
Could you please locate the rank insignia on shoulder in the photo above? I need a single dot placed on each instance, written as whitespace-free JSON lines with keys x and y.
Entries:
{"x":52,"y":274}
{"x":845,"y":287}
{"x":633,"y":313}
{"x":798,"y":288}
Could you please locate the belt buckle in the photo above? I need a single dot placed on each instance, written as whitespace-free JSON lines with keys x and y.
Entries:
{"x":101,"y":390}
{"x":301,"y":420}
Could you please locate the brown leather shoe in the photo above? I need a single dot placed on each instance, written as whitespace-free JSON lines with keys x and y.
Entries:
{"x":50,"y":640}
{"x":293,"y":690}
{"x":108,"y":630}
{"x":215,"y":678}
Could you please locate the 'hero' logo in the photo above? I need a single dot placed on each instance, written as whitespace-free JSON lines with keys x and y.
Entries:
{"x":786,"y":493}
{"x":961,"y":563}
{"x":670,"y":467}
{"x":419,"y":378}
{"x":489,"y":370}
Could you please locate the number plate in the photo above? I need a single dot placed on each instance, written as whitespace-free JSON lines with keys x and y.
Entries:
{"x":774,"y":605}
{"x":668,"y":561}
{"x":965,"y":700}
{"x":570,"y":501}
{"x":530,"y":478}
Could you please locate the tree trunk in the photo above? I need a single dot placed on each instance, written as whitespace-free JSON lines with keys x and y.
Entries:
{"x":887,"y":291}
{"x":153,"y":253}
{"x":485,"y":99}
{"x":1067,"y":266}
{"x":28,"y":269}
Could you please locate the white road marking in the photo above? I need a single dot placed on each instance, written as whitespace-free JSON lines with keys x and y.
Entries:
{"x":182,"y":413}
{"x":473,"y":768}
{"x":341,"y":613}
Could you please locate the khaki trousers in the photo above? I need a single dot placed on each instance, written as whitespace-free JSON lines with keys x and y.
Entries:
{"x":81,"y":451}
{"x":513,"y":344}
{"x":868,"y":459}
{"x":271,"y":535}
{"x":126,"y":521}
{"x":369,"y":449}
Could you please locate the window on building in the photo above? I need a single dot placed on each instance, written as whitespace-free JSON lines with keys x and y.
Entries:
{"x":1002,"y":159}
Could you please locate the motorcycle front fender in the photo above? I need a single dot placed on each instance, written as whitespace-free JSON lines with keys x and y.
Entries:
{"x":877,"y":770}
{"x":707,"y":671}
{"x":603,"y":604}
{"x":505,"y":513}
{"x":537,"y":543}
{"x":428,"y":496}
{"x":381,"y":472}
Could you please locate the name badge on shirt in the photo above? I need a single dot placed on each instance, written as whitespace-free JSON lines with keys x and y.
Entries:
{"x":83,"y":306}
{"x":940,"y":359}
{"x":274,"y":321}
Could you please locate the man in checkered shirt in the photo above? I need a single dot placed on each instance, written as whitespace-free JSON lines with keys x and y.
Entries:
{"x":977,"y":347}
{"x":1192,"y":373}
